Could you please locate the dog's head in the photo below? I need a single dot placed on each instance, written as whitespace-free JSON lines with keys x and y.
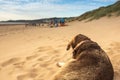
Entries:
{"x":84,"y":45}
{"x":76,"y":40}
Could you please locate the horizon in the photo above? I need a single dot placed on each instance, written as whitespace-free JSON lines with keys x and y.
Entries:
{"x":38,"y":9}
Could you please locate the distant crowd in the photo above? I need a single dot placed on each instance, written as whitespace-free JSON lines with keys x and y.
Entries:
{"x":52,"y":23}
{"x":57,"y":22}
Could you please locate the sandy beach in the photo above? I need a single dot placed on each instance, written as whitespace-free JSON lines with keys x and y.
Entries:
{"x":31,"y":53}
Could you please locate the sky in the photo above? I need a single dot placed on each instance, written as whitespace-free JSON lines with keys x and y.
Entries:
{"x":37,"y":9}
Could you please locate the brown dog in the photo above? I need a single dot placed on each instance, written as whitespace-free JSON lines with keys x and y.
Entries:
{"x":90,"y":63}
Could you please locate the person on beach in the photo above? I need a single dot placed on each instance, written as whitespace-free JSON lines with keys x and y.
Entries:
{"x":51,"y":23}
{"x":62,"y":22}
{"x":55,"y":22}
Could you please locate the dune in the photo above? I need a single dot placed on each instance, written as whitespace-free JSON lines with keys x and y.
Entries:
{"x":32,"y":53}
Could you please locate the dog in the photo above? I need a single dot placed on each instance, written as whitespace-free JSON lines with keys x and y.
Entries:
{"x":89,"y":62}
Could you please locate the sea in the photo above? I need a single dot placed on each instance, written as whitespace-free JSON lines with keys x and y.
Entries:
{"x":12,"y":23}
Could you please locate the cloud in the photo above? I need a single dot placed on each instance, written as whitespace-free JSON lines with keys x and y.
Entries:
{"x":105,"y":0}
{"x":35,"y":9}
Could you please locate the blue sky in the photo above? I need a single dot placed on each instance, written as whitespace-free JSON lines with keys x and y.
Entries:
{"x":36,"y":9}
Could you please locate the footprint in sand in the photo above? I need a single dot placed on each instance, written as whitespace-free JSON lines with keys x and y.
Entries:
{"x":40,"y":59}
{"x":32,"y":57}
{"x":19,"y":64}
{"x":43,"y":57}
{"x":54,"y":52}
{"x":10,"y":61}
{"x":29,"y":76}
{"x":32,"y":74}
{"x":44,"y":65}
{"x":36,"y":65}
{"x":46,"y":48}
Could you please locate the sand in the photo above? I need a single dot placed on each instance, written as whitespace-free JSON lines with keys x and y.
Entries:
{"x":32,"y":53}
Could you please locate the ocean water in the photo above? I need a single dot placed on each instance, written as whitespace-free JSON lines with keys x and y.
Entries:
{"x":6,"y":23}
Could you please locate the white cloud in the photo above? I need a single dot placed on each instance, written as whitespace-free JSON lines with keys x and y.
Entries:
{"x":104,"y":0}
{"x":35,"y":9}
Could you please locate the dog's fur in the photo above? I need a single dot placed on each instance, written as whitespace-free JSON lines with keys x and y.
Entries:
{"x":90,"y":63}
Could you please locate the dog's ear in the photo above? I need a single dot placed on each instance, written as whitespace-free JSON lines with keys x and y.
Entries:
{"x":68,"y":46}
{"x":71,"y":45}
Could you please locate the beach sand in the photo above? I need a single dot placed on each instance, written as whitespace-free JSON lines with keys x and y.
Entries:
{"x":31,"y":53}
